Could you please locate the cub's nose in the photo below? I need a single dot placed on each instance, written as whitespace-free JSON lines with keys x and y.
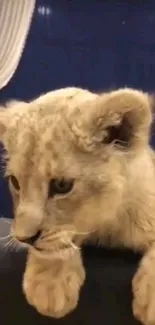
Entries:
{"x":30,"y":240}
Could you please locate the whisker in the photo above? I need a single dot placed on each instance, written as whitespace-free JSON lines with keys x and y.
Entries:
{"x":80,"y":232}
{"x":75,"y":246}
{"x":67,"y":241}
{"x":6,"y":220}
{"x":16,"y":246}
{"x":11,"y":240}
{"x":3,"y":238}
{"x":10,"y":243}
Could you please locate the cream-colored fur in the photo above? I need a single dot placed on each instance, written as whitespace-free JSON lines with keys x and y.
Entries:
{"x":101,"y":143}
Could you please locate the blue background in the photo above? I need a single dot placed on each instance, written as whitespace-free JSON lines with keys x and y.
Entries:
{"x":94,"y":44}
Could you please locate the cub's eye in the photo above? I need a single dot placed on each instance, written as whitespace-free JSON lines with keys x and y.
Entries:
{"x":15,"y":182}
{"x":60,"y":186}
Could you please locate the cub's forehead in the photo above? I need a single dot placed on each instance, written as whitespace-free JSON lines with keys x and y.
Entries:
{"x":39,"y":133}
{"x":43,"y":119}
{"x":66,"y":99}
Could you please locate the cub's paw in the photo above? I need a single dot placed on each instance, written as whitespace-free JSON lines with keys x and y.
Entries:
{"x":51,"y":296}
{"x":144,"y":293}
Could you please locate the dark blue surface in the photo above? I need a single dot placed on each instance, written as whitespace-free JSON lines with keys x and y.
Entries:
{"x":89,"y":43}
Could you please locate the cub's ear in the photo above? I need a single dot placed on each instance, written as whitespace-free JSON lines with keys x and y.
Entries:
{"x":122,"y":118}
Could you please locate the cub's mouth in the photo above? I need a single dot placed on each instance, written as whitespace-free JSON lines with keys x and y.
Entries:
{"x":51,"y":245}
{"x":59,"y":246}
{"x":31,"y":240}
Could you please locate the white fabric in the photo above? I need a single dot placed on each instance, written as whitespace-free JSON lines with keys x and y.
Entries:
{"x":15,"y":20}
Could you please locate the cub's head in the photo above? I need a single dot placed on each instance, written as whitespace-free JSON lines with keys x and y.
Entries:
{"x":66,"y":154}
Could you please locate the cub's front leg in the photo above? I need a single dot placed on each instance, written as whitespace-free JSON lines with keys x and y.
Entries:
{"x":144,"y":289}
{"x":53,"y":288}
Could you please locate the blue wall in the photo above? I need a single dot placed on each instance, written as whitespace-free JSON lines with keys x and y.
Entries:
{"x":89,"y":43}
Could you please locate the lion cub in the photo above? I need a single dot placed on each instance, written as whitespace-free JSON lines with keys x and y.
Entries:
{"x":80,"y":169}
